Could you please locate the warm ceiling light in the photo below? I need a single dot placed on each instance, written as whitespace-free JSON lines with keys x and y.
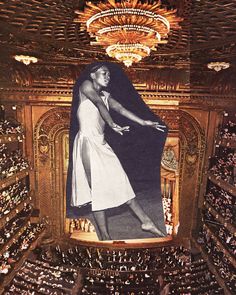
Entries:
{"x":218,"y":65}
{"x":129,"y":30}
{"x":26,"y":59}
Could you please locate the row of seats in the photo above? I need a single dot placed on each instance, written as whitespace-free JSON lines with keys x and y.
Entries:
{"x":17,"y":234}
{"x":120,"y":283}
{"x":10,"y":127}
{"x":127,"y":260}
{"x":12,"y":226}
{"x":214,"y":235}
{"x":228,"y":131}
{"x":222,"y":165}
{"x":15,"y":252}
{"x":11,"y":196}
{"x":226,"y":238}
{"x":196,"y":279}
{"x":222,"y":201}
{"x":38,"y":277}
{"x":189,"y":277}
{"x":11,"y":162}
{"x":218,"y":258}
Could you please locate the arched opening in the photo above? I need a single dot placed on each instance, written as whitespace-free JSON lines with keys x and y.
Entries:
{"x":51,"y":160}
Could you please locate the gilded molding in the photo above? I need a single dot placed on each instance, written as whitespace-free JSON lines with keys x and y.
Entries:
{"x":63,"y":95}
{"x":47,"y":162}
{"x":169,"y":161}
{"x":195,"y":141}
{"x":46,"y":126}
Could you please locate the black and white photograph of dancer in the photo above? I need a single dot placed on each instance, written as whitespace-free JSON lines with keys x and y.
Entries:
{"x":101,"y":185}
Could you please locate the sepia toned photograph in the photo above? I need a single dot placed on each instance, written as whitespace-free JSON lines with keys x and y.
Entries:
{"x":117,"y":147}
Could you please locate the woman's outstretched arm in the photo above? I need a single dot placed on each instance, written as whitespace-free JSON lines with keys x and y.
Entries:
{"x":88,"y":90}
{"x":116,"y":106}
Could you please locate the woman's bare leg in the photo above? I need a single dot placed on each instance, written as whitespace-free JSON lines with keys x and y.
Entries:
{"x":147,"y":223}
{"x":100,"y":218}
{"x":86,"y":160}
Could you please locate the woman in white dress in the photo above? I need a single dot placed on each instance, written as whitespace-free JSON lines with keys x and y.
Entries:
{"x":97,"y":176}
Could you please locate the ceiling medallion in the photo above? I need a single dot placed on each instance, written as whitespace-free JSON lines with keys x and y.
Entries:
{"x":26,"y":59}
{"x":129,"y":30}
{"x":218,"y":65}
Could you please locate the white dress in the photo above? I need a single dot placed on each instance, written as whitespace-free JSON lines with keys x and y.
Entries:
{"x":110,"y":186}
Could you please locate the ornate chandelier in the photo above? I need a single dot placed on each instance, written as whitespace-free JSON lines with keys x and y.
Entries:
{"x":26,"y":59}
{"x":218,"y":65}
{"x":129,"y":30}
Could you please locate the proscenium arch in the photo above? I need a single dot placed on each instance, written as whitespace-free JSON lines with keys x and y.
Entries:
{"x":51,"y":127}
{"x":192,"y":151}
{"x":54,"y":124}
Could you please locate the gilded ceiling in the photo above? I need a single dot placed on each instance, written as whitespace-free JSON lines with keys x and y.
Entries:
{"x":47,"y":29}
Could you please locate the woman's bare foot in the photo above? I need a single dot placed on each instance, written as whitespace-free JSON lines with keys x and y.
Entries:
{"x":150,"y":226}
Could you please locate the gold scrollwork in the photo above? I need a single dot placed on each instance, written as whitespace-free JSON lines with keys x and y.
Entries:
{"x":169,"y":160}
{"x":43,"y":144}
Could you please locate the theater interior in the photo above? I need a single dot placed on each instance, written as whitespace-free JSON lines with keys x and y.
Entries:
{"x":187,"y":77}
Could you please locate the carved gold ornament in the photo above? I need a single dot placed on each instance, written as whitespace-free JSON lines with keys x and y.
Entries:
{"x":26,"y":59}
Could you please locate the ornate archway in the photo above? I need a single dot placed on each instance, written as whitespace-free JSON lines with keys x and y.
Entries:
{"x":190,"y":165}
{"x":51,"y":133}
{"x":49,"y":137}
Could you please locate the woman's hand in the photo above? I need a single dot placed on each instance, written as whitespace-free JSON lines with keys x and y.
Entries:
{"x":154,"y":125}
{"x":119,"y":129}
